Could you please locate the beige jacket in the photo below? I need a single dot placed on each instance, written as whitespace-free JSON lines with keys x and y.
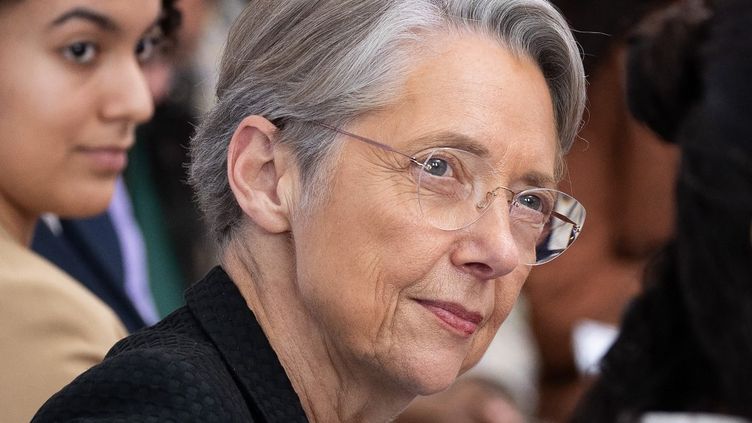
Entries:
{"x":51,"y":330}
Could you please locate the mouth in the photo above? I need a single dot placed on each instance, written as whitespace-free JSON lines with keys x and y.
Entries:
{"x":454,"y":316}
{"x":108,"y":160}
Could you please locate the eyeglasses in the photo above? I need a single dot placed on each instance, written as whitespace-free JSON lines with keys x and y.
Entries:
{"x":455,"y":188}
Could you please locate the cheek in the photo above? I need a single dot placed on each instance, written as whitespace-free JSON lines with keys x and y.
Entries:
{"x":30,"y":159}
{"x":49,"y":112}
{"x":348,"y":255}
{"x":45,"y":92}
{"x":39,"y":179}
{"x":37,"y":164}
{"x":358,"y":256}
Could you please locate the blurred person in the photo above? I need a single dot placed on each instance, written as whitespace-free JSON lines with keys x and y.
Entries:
{"x":72,"y":91}
{"x":107,"y":252}
{"x":377,"y":202}
{"x":175,"y":247}
{"x":629,"y":198}
{"x":109,"y":262}
{"x":178,"y":245}
{"x":624,"y":174}
{"x":684,"y":347}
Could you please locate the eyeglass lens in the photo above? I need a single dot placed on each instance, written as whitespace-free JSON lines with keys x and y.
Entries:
{"x":456,"y":187}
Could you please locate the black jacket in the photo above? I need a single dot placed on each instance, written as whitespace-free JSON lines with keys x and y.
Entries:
{"x":209,"y":361}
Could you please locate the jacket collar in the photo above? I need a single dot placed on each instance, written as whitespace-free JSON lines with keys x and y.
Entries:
{"x":224,"y":315}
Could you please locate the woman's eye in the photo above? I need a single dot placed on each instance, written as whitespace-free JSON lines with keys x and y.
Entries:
{"x":438,"y":167}
{"x":532,"y":202}
{"x":80,"y":52}
{"x":146,"y":48}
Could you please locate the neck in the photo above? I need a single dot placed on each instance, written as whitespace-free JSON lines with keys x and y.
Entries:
{"x":330,"y":387}
{"x":15,"y":224}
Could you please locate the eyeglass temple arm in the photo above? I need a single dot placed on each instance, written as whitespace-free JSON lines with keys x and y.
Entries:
{"x":367,"y":141}
{"x":575,"y":227}
{"x":566,"y":219}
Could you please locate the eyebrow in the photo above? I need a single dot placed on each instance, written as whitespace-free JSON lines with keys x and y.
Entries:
{"x":452,"y":140}
{"x":89,"y":15}
{"x":538,"y":179}
{"x":463,"y":142}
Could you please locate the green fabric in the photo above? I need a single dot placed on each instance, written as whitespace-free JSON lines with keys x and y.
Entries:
{"x":165,"y":279}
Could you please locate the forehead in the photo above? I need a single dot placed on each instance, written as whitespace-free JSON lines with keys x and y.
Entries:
{"x":472,"y":86}
{"x":124,"y":15}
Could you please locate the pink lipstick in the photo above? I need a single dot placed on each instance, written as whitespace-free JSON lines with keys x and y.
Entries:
{"x":454,"y":315}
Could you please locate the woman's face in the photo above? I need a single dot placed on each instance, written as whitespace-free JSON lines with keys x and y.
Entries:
{"x":396,"y":299}
{"x":71,"y":92}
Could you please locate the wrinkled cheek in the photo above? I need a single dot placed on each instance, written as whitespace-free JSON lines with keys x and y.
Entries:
{"x":388,"y":315}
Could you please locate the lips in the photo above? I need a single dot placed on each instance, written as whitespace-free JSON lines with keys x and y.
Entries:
{"x":454,"y":315}
{"x":107,"y":159}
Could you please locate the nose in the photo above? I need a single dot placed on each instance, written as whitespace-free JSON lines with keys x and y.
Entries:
{"x":488,"y":249}
{"x":127,"y":94}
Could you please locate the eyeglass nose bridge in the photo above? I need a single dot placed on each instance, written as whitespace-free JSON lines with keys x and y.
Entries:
{"x":490,"y":197}
{"x":514,"y":228}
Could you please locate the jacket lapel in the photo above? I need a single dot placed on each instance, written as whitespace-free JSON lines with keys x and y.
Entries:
{"x":89,"y":251}
{"x":96,"y":239}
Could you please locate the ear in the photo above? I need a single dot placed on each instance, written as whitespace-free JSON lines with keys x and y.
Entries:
{"x":260,"y":174}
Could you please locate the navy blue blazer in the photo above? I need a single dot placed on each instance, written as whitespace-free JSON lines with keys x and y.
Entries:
{"x":89,"y":251}
{"x":207,"y":362}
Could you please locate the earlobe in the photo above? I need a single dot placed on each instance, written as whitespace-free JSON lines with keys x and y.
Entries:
{"x":255,"y":167}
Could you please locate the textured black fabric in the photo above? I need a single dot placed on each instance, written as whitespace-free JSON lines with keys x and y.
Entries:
{"x":209,"y":361}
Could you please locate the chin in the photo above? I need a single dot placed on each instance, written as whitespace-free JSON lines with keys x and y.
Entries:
{"x":430,"y":373}
{"x":86,"y":202}
{"x":432,"y":383}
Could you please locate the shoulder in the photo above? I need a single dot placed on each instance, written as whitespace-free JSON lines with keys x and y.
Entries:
{"x":35,"y":292}
{"x":169,"y":372}
{"x":54,"y":327}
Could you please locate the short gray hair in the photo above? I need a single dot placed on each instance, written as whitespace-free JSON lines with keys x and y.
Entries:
{"x":298,"y":61}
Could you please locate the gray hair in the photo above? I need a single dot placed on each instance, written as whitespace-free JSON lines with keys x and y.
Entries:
{"x":298,"y":61}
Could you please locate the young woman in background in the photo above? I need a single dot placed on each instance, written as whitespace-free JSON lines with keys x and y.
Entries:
{"x":71,"y":93}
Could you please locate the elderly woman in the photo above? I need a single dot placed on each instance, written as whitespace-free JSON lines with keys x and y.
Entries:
{"x":380,"y":178}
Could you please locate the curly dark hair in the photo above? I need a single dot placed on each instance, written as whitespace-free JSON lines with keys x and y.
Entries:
{"x":686,"y":341}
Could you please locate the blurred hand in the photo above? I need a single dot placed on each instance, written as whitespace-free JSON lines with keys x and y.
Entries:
{"x":469,"y":400}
